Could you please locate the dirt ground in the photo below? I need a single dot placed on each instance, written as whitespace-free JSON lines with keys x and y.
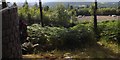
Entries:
{"x":100,"y":18}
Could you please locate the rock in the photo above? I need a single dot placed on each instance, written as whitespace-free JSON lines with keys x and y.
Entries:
{"x":113,"y":15}
{"x":35,"y":45}
{"x":67,"y":54}
{"x":68,"y":58}
{"x":80,"y":16}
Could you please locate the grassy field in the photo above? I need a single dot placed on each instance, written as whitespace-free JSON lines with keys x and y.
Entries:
{"x":98,"y":50}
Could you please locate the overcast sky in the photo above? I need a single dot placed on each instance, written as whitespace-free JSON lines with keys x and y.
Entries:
{"x":63,"y":0}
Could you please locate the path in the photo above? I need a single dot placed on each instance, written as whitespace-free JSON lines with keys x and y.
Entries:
{"x":100,"y":18}
{"x":92,"y":52}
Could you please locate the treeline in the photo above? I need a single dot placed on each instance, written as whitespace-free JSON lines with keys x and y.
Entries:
{"x":59,"y":15}
{"x":100,"y":11}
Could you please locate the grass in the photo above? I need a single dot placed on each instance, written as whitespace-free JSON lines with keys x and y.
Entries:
{"x":110,"y":45}
{"x":99,"y":50}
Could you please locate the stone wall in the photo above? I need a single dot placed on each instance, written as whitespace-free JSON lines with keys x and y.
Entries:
{"x":10,"y":33}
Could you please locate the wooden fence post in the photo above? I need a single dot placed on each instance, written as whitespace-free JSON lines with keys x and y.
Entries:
{"x":95,"y":17}
{"x":41,"y":14}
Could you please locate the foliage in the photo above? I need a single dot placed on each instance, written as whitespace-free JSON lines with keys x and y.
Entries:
{"x":59,"y":37}
{"x":100,"y":11}
{"x":107,"y":11}
{"x":92,"y":8}
{"x":46,"y":8}
{"x":60,"y":17}
{"x":84,"y":11}
{"x":57,"y":17}
{"x":109,"y":30}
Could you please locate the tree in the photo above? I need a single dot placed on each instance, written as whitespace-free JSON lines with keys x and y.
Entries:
{"x":60,"y":17}
{"x":35,"y":8}
{"x":46,"y":8}
{"x":71,"y":7}
{"x":87,"y":6}
{"x":14,"y":4}
{"x":36,"y":5}
{"x":92,"y":8}
{"x":24,"y":10}
{"x":26,"y":6}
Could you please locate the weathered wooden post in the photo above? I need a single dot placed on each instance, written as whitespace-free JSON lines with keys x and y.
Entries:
{"x":11,"y":47}
{"x":95,"y":17}
{"x":4,"y":4}
{"x":41,"y":15}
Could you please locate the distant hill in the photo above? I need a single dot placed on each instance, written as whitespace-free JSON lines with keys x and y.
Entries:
{"x":107,"y":4}
{"x":20,"y":4}
{"x":75,"y":4}
{"x":52,"y":4}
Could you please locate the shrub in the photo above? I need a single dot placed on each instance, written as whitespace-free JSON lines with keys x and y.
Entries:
{"x":109,"y":30}
{"x":60,"y":37}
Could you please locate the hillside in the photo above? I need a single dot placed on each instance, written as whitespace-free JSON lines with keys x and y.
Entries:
{"x":75,"y":4}
{"x":106,"y":4}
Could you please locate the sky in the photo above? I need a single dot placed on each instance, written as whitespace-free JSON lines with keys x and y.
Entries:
{"x":63,"y":0}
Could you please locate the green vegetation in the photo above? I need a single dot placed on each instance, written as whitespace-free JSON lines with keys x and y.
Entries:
{"x":78,"y":41}
{"x":109,"y":30}
{"x":59,"y":15}
{"x":74,"y":37}
{"x":60,"y":37}
{"x":63,"y":32}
